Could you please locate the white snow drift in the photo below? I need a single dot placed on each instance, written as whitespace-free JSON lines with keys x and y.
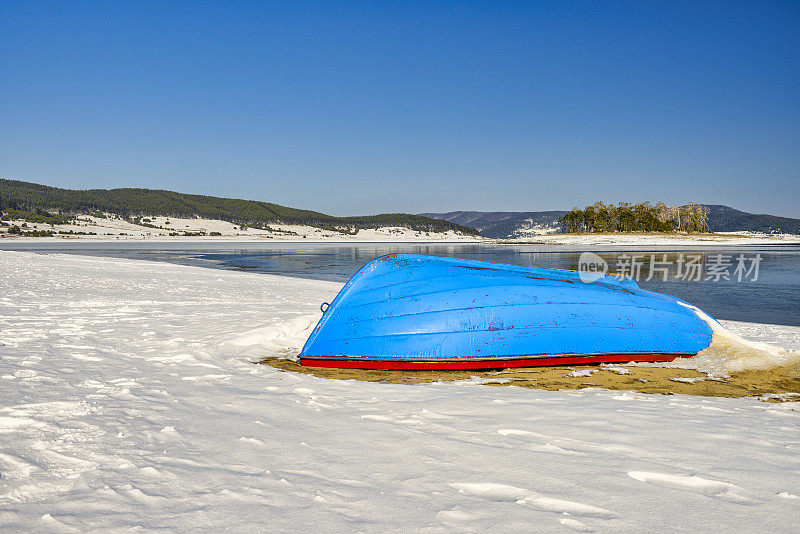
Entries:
{"x":128,"y":400}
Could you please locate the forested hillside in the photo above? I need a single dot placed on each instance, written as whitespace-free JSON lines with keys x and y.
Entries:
{"x":727,"y":219}
{"x":136,"y":203}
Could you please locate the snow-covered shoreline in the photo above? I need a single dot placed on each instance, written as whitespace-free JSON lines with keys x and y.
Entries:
{"x":129,"y":399}
{"x":659,"y":240}
{"x":112,"y":228}
{"x":554,"y":242}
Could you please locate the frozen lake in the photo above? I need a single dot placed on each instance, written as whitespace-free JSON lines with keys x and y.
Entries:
{"x":774,"y":297}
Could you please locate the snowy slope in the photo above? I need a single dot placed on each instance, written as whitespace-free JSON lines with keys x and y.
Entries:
{"x":127,"y":399}
{"x":113,"y":227}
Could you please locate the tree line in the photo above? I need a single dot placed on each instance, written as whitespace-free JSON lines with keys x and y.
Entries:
{"x":642,"y":217}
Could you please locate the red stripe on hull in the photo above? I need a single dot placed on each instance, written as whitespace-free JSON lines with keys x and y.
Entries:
{"x":487,"y":364}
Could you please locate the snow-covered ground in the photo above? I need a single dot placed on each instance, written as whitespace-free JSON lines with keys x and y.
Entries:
{"x":113,"y":227}
{"x":588,"y":240}
{"x":128,"y":399}
{"x":528,"y":229}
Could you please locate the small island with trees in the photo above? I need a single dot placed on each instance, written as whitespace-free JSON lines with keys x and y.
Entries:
{"x":642,"y":217}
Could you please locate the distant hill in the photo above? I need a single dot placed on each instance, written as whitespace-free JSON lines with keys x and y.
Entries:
{"x":726,"y":219}
{"x":504,"y":224}
{"x":509,"y":224}
{"x":127,"y":202}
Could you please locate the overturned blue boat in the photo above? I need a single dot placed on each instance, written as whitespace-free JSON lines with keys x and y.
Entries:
{"x":407,"y":311}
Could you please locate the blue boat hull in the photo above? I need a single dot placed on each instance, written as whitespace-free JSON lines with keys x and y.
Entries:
{"x":424,"y":312}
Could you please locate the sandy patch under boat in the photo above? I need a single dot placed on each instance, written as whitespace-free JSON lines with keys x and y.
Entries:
{"x":777,"y":384}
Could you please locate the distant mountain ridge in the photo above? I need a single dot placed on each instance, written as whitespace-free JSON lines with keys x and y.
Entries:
{"x":502,"y":224}
{"x":131,"y":202}
{"x":510,"y":224}
{"x":726,"y":219}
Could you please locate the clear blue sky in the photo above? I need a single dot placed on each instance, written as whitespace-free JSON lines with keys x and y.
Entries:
{"x":367,"y":107}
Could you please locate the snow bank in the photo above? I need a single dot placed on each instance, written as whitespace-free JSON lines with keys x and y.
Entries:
{"x":682,"y":240}
{"x":128,"y":401}
{"x":281,"y":337}
{"x":731,"y":352}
